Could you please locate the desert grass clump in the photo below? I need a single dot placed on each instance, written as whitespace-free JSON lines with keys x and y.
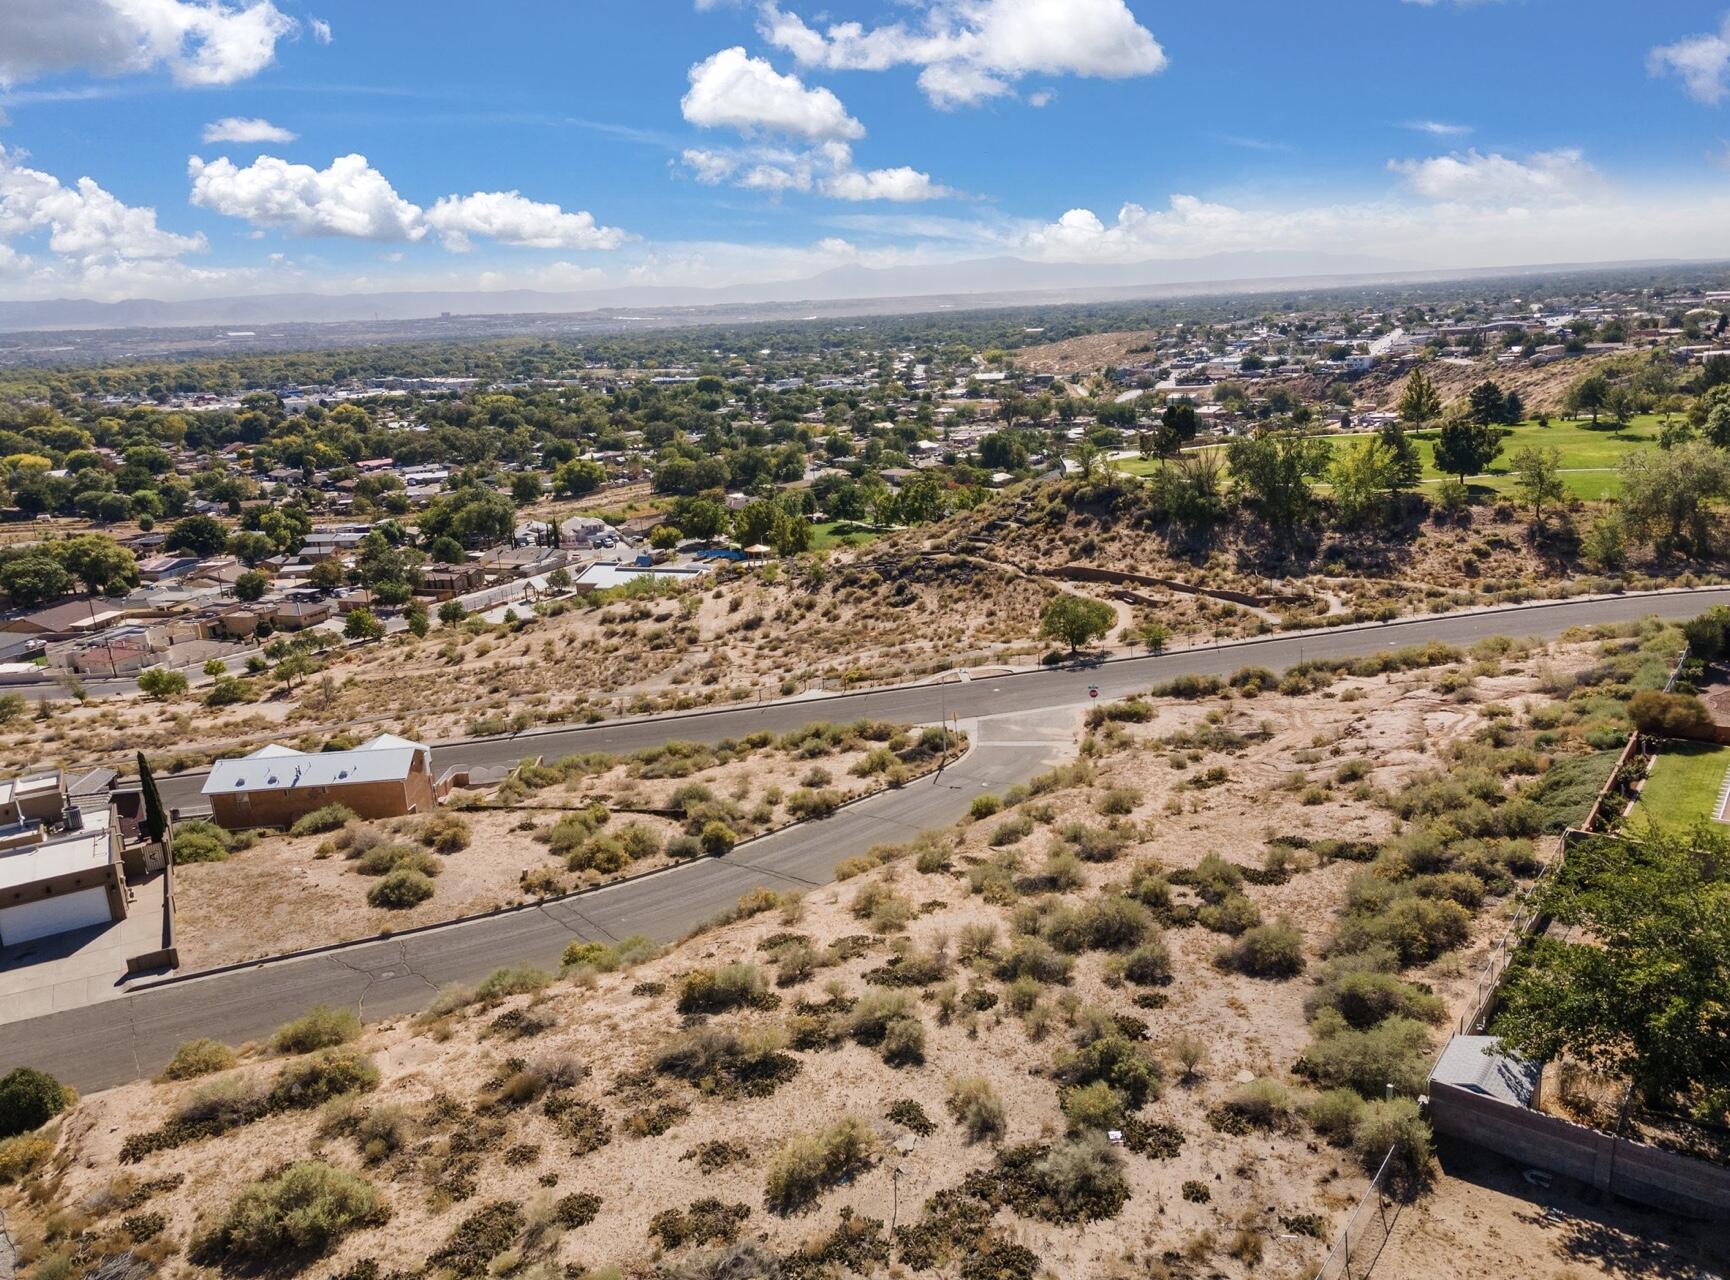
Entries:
{"x":1335,"y":1115}
{"x":320,"y":1027}
{"x":1263,"y":1104}
{"x":977,"y":1108}
{"x":730,"y":986}
{"x":808,"y":1164}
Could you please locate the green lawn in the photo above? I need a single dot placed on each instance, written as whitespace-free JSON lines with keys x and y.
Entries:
{"x":1590,"y":455}
{"x":824,"y":537}
{"x":1683,"y":787}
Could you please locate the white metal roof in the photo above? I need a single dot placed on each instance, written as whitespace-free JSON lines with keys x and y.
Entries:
{"x":387,"y":758}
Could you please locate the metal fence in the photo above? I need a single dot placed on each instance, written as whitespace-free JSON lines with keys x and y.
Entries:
{"x":1366,"y":1232}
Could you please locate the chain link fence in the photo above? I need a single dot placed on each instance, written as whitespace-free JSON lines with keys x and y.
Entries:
{"x":1367,"y":1230}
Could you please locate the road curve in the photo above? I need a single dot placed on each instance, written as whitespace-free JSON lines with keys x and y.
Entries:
{"x":118,"y":1040}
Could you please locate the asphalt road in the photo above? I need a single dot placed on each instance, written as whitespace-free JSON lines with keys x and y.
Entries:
{"x":118,"y":1040}
{"x":1033,"y":691}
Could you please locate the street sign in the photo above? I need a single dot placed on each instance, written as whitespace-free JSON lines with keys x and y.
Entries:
{"x":1093,"y":691}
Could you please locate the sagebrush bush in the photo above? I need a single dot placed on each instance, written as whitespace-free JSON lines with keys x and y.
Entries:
{"x":808,"y":1164}
{"x":977,"y":1108}
{"x":1267,"y":951}
{"x":382,"y":859}
{"x":604,"y":957}
{"x":22,"y":1155}
{"x":319,"y":1027}
{"x":400,"y":889}
{"x":1149,"y":964}
{"x":325,"y":818}
{"x":1266,"y":1104}
{"x":727,"y":987}
{"x":199,"y":1058}
{"x":305,"y":1209}
{"x":1394,"y":1051}
{"x":321,"y":1076}
{"x":511,"y":980}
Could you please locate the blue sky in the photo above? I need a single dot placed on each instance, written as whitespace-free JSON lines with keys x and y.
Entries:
{"x":573,"y":143}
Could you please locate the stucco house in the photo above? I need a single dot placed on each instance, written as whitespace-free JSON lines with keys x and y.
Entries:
{"x":60,"y":865}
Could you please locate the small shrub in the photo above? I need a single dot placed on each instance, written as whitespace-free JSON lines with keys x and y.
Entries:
{"x":1093,"y":1106}
{"x":1196,"y":1192}
{"x":320,"y":1027}
{"x":478,"y":1239}
{"x":22,"y":1155}
{"x":717,"y":990}
{"x":325,"y":818}
{"x":199,"y":1058}
{"x":305,"y":1209}
{"x":1395,"y":1124}
{"x":1263,"y":1104}
{"x":29,"y":1099}
{"x":400,"y":889}
{"x":1335,"y":1115}
{"x":977,"y":1108}
{"x":808,"y":1164}
{"x":1267,"y":951}
{"x":705,"y":1221}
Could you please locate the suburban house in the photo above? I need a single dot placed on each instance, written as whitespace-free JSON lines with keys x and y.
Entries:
{"x":297,"y":615}
{"x":446,"y":580}
{"x":60,"y":865}
{"x":163,"y":567}
{"x":384,"y":778}
{"x":61,"y":621}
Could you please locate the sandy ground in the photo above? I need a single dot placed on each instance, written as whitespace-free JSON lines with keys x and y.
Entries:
{"x":1485,"y":1219}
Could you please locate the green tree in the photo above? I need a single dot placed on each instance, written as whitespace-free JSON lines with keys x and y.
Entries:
{"x":327,"y":575}
{"x":1464,"y":447}
{"x":251,"y":548}
{"x":34,"y":579}
{"x":526,"y":488}
{"x":451,"y":613}
{"x":664,"y":537}
{"x":361,"y":624}
{"x":415,"y":616}
{"x":160,"y":683}
{"x":1405,"y":466}
{"x":1487,"y":405}
{"x":197,"y":535}
{"x":250,"y":586}
{"x":155,"y":816}
{"x":1718,"y":426}
{"x":1076,"y":620}
{"x":1277,"y":468}
{"x":1538,"y":479}
{"x":1641,"y":994}
{"x":578,"y":477}
{"x":1155,"y":636}
{"x":1587,"y":396}
{"x":99,"y":562}
{"x":1362,"y":475}
{"x":1420,"y":402}
{"x":1668,"y":494}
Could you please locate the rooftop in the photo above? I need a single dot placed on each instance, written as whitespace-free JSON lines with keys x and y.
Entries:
{"x":1478,"y":1065}
{"x":387,"y":758}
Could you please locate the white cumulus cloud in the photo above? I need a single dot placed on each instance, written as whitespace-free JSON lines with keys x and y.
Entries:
{"x":736,"y":91}
{"x":82,"y":222}
{"x":510,"y":218}
{"x":1472,"y":177}
{"x":320,"y":30}
{"x":1703,"y":63}
{"x":246,"y":129}
{"x":901,"y":185}
{"x":972,"y":50}
{"x":348,"y":198}
{"x":200,"y":42}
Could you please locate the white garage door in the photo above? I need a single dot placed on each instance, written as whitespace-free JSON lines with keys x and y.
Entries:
{"x":53,"y":915}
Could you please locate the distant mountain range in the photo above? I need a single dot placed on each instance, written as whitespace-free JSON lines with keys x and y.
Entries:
{"x":977,"y":282}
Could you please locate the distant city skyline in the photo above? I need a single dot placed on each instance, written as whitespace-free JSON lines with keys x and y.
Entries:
{"x":207,"y":148}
